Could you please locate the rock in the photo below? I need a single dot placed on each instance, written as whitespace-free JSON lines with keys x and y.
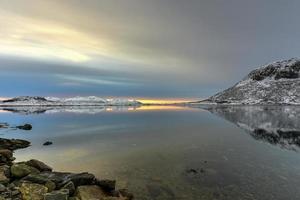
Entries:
{"x":33,"y":191}
{"x":59,"y":178}
{"x":82,"y":179}
{"x":71,"y":198}
{"x":107,"y":185}
{"x":47,"y":143}
{"x":4,"y":174}
{"x":36,"y":178}
{"x":57,"y":195}
{"x":50,"y":185}
{"x":13,"y":144}
{"x":6,"y":153}
{"x":25,"y":127}
{"x":113,"y":198}
{"x":20,"y":170}
{"x":38,"y":165}
{"x":272,"y":84}
{"x":125,"y":193}
{"x":88,"y":192}
{"x":70,"y":186}
{"x":2,"y":188}
{"x":62,"y":178}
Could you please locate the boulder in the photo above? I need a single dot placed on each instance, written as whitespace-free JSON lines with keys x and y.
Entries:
{"x":88,"y":192}
{"x":2,"y":188}
{"x":33,"y":191}
{"x":4,"y":174}
{"x":6,"y":153}
{"x":13,"y":144}
{"x":25,"y":127}
{"x":57,"y":195}
{"x":82,"y":179}
{"x":69,"y":186}
{"x":19,"y":170}
{"x":36,"y":178}
{"x":38,"y":165}
{"x":50,"y":185}
{"x":106,"y":184}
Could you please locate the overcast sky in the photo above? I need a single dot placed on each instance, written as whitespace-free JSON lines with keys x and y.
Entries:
{"x":140,"y":48}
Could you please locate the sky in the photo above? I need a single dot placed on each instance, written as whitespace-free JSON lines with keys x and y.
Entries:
{"x":143,"y":49}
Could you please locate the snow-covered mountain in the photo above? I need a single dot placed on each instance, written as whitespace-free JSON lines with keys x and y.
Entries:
{"x":274,"y":83}
{"x":74,"y":101}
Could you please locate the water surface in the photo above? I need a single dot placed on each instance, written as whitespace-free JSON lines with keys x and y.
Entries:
{"x":163,"y":153}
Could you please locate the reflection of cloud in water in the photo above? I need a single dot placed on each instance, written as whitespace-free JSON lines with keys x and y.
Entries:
{"x":277,"y":125}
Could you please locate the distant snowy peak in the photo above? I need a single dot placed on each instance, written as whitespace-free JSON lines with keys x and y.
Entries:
{"x":274,"y":83}
{"x":74,"y":101}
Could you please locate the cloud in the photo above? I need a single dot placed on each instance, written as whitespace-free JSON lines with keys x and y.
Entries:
{"x":167,"y":47}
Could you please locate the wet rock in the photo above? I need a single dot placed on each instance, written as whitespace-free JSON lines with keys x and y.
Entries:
{"x":57,"y":195}
{"x":88,"y":192}
{"x":6,"y":153}
{"x":125,"y":193}
{"x":107,"y":185}
{"x":113,"y":198}
{"x":38,"y":165}
{"x":4,"y":174}
{"x":2,"y":188}
{"x":36,"y":178}
{"x":33,"y":191}
{"x":192,"y":171}
{"x":59,"y":178}
{"x":159,"y":191}
{"x":47,"y":143}
{"x":82,"y":179}
{"x":74,"y":198}
{"x":25,"y":127}
{"x":50,"y":185}
{"x":4,"y":125}
{"x":69,"y":186}
{"x":20,"y":170}
{"x":13,"y":144}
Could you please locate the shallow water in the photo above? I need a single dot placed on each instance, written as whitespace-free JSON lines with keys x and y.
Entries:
{"x":169,"y":152}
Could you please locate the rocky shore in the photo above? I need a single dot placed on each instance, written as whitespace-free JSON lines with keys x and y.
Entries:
{"x":35,"y":180}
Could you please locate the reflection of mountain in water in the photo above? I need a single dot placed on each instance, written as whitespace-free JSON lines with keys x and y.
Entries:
{"x":70,"y":109}
{"x":277,"y":125}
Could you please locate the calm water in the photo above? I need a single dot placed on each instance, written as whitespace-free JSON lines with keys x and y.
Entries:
{"x":163,"y":153}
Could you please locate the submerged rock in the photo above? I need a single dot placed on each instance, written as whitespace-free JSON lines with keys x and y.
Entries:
{"x":106,"y":184}
{"x":88,"y":192}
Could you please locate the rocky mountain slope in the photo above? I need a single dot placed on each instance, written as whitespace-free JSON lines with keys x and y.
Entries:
{"x":274,"y":83}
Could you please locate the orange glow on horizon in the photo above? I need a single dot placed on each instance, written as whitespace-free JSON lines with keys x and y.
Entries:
{"x":164,"y":101}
